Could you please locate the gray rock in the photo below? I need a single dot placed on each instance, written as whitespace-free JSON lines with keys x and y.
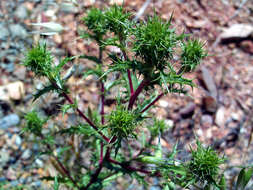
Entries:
{"x":68,"y":8}
{"x":36,"y":184}
{"x":209,"y":81}
{"x":188,"y":110}
{"x":237,"y":31}
{"x":18,"y":140}
{"x":4,"y":33}
{"x":21,"y":12}
{"x":4,"y":157}
{"x":206,"y":121}
{"x":18,"y":31}
{"x":39,"y":163}
{"x":27,"y":154}
{"x":9,"y":121}
{"x":10,"y":67}
{"x":14,"y":183}
{"x":2,"y":179}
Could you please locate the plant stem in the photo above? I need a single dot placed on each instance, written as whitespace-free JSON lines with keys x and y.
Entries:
{"x":130,"y":82}
{"x":136,"y":93}
{"x":98,"y":170}
{"x":60,"y":164}
{"x":153,"y":102}
{"x":93,"y":177}
{"x":128,"y":167}
{"x":102,"y":112}
{"x":123,"y":43}
{"x":102,"y":96}
{"x":86,"y":118}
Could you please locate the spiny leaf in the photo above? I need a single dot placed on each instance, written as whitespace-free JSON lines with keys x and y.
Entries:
{"x":222,"y":184}
{"x":58,"y":68}
{"x":67,"y":107}
{"x":56,"y":184}
{"x":43,"y":91}
{"x":243,"y":178}
{"x":91,"y":58}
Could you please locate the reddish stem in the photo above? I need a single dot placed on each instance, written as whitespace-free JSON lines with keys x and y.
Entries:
{"x":101,"y":152}
{"x":86,"y":118}
{"x":93,"y":177}
{"x":102,"y":112}
{"x":153,"y":102}
{"x":130,"y":82}
{"x":60,"y":164}
{"x":136,"y":93}
{"x":128,"y":167}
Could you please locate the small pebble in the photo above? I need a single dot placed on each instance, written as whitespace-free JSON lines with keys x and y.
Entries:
{"x":2,"y":179}
{"x":206,"y":121}
{"x":39,"y":163}
{"x":4,"y":32}
{"x":163,"y":103}
{"x":235,"y":116}
{"x":9,"y":121}
{"x":18,"y":30}
{"x":220,"y":116}
{"x":18,"y":140}
{"x":27,"y":154}
{"x":36,"y":183}
{"x":4,"y":157}
{"x":21,"y":12}
{"x":14,"y":183}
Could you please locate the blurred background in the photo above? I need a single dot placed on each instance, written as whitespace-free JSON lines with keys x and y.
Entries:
{"x":218,"y":111}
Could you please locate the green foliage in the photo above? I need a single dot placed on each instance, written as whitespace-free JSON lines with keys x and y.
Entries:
{"x":56,"y":184}
{"x":192,"y":54}
{"x":147,"y":59}
{"x":122,"y":123}
{"x":34,"y":123}
{"x":96,"y":23}
{"x":204,"y":165}
{"x":159,"y":127}
{"x":243,"y":178}
{"x":39,"y":60}
{"x":154,"y":43}
{"x":118,"y":21}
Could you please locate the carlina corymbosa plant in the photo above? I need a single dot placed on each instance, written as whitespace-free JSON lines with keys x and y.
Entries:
{"x":146,"y":62}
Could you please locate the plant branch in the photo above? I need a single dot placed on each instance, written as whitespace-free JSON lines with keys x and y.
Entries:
{"x":93,"y":177}
{"x":128,"y":167}
{"x":152,"y":103}
{"x":65,"y":170}
{"x":136,"y":93}
{"x":86,"y":118}
{"x":130,"y":82}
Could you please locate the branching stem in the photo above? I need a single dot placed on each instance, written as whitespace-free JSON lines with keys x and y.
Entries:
{"x":128,"y":167}
{"x":86,"y":118}
{"x":130,"y":82}
{"x":152,"y":103}
{"x":136,"y":93}
{"x":65,"y":170}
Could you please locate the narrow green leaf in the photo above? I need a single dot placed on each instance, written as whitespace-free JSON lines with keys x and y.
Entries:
{"x":91,"y":58}
{"x":240,"y":179}
{"x":222,"y":184}
{"x":56,"y":184}
{"x":243,"y":178}
{"x":111,"y":84}
{"x":43,"y":91}
{"x":63,"y":62}
{"x":174,"y":152}
{"x":67,"y":107}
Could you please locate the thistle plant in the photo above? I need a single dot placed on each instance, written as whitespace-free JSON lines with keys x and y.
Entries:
{"x":147,"y":59}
